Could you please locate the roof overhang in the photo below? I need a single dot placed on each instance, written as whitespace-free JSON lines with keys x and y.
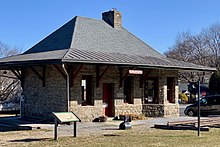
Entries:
{"x":189,"y":69}
{"x":75,"y":56}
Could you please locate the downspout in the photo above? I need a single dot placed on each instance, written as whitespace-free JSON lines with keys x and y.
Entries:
{"x":67,"y":87}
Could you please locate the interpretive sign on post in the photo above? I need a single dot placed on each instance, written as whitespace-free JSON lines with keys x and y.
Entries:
{"x":62,"y":118}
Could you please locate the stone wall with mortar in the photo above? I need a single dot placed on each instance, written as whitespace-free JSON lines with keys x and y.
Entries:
{"x":171,"y":110}
{"x":39,"y":101}
{"x":153,"y":110}
{"x":163,"y":108}
{"x":88,"y":113}
{"x":125,"y":108}
{"x":160,"y":110}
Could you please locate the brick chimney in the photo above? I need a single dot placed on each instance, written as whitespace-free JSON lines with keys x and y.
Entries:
{"x":113,"y":18}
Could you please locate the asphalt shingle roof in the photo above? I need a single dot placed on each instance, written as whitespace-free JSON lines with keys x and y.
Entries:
{"x":85,"y":40}
{"x":58,"y":40}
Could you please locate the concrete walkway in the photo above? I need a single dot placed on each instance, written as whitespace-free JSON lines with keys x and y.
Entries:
{"x":182,"y":107}
{"x":89,"y":128}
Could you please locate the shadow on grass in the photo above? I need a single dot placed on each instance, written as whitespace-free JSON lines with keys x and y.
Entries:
{"x":30,"y":140}
{"x":110,"y":129}
{"x":109,"y":135}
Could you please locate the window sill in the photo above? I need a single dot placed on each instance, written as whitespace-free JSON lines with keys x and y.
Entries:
{"x":129,"y":103}
{"x":85,"y":104}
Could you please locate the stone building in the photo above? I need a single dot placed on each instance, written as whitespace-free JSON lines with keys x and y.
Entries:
{"x":94,"y":68}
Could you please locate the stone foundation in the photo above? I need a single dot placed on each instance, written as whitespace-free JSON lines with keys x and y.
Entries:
{"x":125,"y":108}
{"x":171,"y":110}
{"x":160,"y":110}
{"x":153,"y":110}
{"x":89,"y":113}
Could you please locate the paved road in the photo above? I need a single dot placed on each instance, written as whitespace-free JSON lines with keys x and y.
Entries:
{"x":182,"y":108}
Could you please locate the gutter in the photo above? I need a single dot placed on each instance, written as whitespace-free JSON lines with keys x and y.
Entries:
{"x":67,"y":87}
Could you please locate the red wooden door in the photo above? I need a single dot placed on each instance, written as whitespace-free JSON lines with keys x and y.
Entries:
{"x":108,"y":99}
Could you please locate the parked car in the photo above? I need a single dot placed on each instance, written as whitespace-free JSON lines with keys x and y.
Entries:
{"x":209,"y":105}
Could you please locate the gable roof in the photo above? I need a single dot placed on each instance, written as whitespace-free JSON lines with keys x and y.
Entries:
{"x":86,"y":40}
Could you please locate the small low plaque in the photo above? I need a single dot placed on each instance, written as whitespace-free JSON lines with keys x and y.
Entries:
{"x":65,"y":117}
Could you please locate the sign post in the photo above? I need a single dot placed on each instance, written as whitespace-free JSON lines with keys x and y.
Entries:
{"x":74,"y":129}
{"x":55,"y":129}
{"x":64,"y":117}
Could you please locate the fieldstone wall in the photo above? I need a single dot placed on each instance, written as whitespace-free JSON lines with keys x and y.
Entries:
{"x":153,"y":110}
{"x":163,"y":108}
{"x":171,"y":110}
{"x":40,"y":102}
{"x":88,"y":113}
{"x":122,"y":108}
{"x":160,"y":110}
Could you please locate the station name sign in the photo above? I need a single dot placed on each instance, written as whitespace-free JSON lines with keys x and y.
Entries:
{"x":136,"y":72}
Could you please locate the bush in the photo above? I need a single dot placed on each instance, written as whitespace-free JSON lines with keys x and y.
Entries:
{"x":214,"y":83}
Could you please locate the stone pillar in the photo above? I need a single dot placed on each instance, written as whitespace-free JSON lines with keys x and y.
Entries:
{"x":162,"y":90}
{"x":176,"y":90}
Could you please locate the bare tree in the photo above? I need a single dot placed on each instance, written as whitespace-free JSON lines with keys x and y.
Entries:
{"x":6,"y":50}
{"x":181,"y":50}
{"x":202,"y":48}
{"x":212,"y":40}
{"x":10,"y":86}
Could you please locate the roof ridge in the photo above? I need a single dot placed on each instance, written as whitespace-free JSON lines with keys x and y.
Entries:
{"x":89,"y":18}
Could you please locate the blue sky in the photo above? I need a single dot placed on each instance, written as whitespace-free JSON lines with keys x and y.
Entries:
{"x":23,"y":23}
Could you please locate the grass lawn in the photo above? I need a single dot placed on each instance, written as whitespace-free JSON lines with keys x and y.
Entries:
{"x":136,"y":137}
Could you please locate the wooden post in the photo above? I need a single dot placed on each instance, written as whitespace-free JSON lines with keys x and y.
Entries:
{"x":74,"y":129}
{"x":55,"y":129}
